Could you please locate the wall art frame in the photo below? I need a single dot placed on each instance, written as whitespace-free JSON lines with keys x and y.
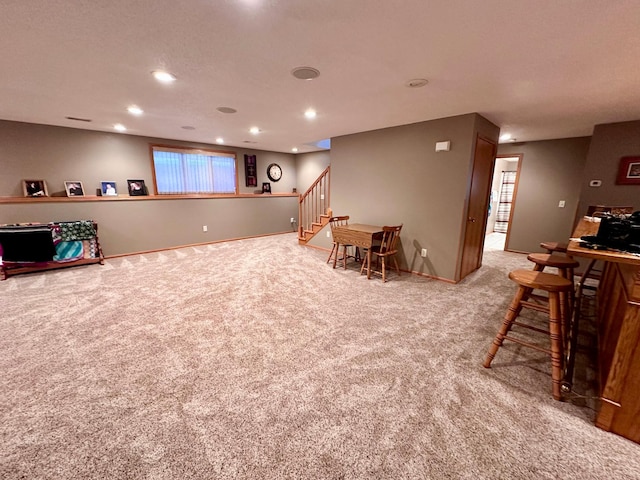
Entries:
{"x":250,"y":171}
{"x":629,"y":171}
{"x":74,"y":188}
{"x":109,"y":189}
{"x":35,"y":188}
{"x":137,"y":188}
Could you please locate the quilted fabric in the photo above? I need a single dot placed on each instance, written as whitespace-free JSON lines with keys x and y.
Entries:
{"x":80,"y":230}
{"x":69,"y":251}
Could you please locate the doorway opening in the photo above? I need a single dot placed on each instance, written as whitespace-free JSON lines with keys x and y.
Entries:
{"x":501,"y":201}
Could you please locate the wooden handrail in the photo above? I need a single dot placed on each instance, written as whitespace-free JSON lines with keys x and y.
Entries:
{"x":314,"y":203}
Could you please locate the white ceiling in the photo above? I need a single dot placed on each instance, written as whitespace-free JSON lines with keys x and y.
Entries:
{"x":538,"y":69}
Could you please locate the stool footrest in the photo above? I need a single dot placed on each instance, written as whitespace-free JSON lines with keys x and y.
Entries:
{"x":528,"y":344}
{"x":535,"y":306}
{"x":531,"y":327}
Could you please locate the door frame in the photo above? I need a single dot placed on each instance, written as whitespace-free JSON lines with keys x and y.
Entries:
{"x":515,"y":194}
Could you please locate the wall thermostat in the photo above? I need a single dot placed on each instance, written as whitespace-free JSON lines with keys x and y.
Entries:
{"x":595,"y":183}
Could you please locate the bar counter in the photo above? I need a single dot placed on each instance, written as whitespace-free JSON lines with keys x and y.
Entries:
{"x":618,"y":335}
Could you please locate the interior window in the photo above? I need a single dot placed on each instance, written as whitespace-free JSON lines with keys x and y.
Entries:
{"x":180,"y":171}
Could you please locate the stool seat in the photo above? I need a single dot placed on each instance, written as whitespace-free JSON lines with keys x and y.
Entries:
{"x":552,"y":260}
{"x":541,"y":281}
{"x":554,"y":247}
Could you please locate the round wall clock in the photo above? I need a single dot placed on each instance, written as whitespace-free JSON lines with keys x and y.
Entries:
{"x":274,"y":172}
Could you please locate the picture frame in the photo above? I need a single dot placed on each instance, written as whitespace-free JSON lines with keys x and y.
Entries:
{"x":266,"y":187}
{"x":74,"y":188}
{"x":137,"y":188}
{"x":250,"y":171}
{"x":34,"y":188}
{"x":108,"y":189}
{"x":629,"y":171}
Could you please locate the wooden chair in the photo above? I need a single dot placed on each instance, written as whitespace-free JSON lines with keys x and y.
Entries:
{"x":341,"y":222}
{"x":387,"y":249}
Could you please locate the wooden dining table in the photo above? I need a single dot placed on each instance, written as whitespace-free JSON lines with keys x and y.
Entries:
{"x":359,"y":235}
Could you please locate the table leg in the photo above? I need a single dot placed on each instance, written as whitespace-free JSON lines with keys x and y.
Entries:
{"x":335,"y":258}
{"x":369,"y":263}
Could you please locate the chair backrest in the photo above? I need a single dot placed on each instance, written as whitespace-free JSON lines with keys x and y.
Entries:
{"x":342,"y":221}
{"x":390,"y":236}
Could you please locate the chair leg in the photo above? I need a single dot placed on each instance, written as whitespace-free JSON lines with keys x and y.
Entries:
{"x":333,"y":249}
{"x":555,"y":332}
{"x":395,"y":262}
{"x":384,"y":273}
{"x":509,"y":318}
{"x":344,"y":257}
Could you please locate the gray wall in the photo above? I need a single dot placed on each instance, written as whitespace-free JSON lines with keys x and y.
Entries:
{"x":309,"y":166}
{"x":609,"y":143}
{"x":394,"y":175}
{"x":128,"y":225}
{"x":550,"y":172}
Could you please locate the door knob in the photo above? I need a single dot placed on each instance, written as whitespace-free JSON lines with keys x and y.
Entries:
{"x":472,"y":220}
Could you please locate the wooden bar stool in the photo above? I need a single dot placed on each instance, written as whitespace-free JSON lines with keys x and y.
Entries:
{"x":527,"y":281}
{"x":552,"y":247}
{"x":565,"y":266}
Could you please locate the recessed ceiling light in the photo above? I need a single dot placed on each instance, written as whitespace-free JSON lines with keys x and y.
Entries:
{"x":254,"y":130}
{"x":310,"y":113}
{"x":188,"y":127}
{"x":134,"y":110}
{"x":220,"y":140}
{"x":164,"y":77}
{"x":226,"y":110}
{"x":505,"y":136}
{"x":417,"y":83}
{"x":294,"y":150}
{"x":119,"y":127}
{"x":305,"y":73}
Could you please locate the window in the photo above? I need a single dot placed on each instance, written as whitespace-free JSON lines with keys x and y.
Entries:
{"x":180,"y":171}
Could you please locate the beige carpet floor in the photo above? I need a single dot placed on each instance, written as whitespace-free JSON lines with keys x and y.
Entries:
{"x":254,"y":359}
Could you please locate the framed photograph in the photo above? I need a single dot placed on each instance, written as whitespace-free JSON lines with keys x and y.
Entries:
{"x":629,"y":171}
{"x":266,"y":187}
{"x":74,"y":189}
{"x":34,"y":188}
{"x":108,"y":188}
{"x":136,"y":188}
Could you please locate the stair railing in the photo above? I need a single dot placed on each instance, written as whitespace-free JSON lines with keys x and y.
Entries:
{"x":314,"y":203}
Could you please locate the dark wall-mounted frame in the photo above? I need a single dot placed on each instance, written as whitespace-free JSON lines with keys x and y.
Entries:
{"x":250,"y":171}
{"x":629,"y":171}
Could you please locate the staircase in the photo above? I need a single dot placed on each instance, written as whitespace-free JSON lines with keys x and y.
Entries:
{"x":313,"y":208}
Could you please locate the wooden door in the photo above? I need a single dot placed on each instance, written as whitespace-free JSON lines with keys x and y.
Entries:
{"x":478,"y":207}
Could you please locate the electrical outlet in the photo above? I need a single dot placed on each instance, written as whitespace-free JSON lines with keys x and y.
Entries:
{"x":424,"y":252}
{"x":561,"y":204}
{"x":293,"y":219}
{"x":328,"y":234}
{"x":204,"y":228}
